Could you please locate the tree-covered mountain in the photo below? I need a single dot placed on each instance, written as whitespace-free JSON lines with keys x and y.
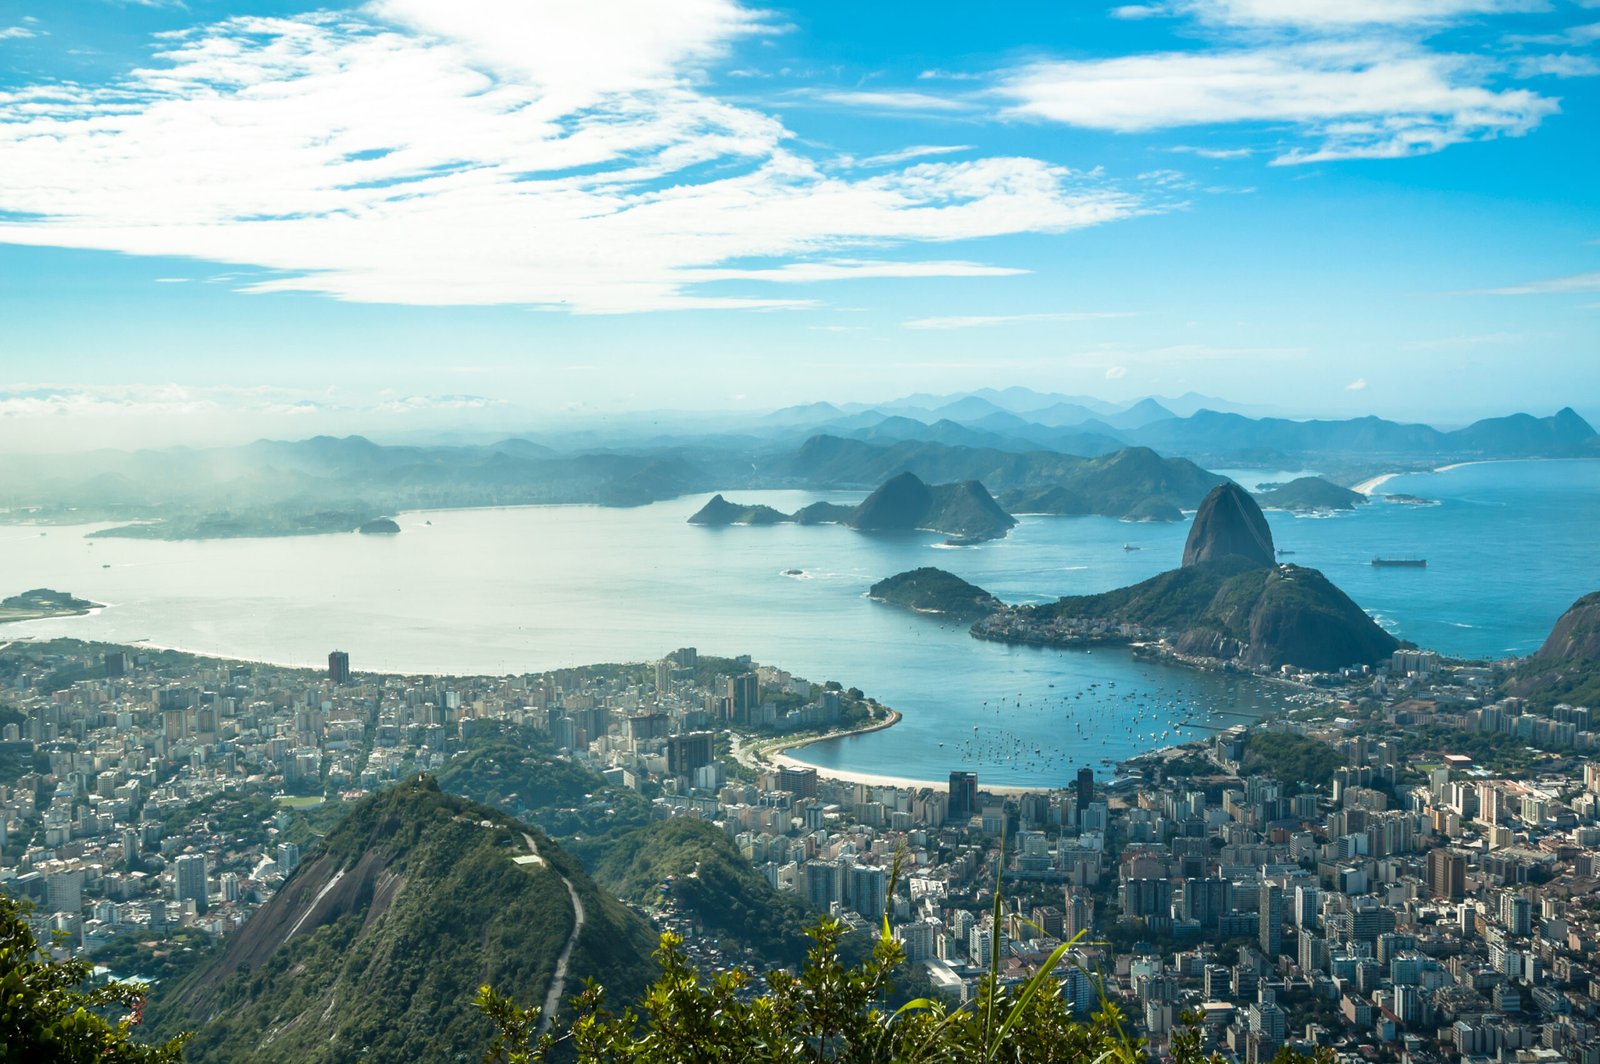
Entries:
{"x":694,"y":865}
{"x":930,"y":590}
{"x":375,"y":946}
{"x":1310,"y":494}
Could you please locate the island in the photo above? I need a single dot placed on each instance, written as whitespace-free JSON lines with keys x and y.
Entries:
{"x":42,"y":602}
{"x":1310,"y":495}
{"x":930,"y":590}
{"x":378,"y":526}
{"x":904,"y":503}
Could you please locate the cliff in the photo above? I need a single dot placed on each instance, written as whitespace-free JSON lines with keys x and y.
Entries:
{"x":1229,"y":523}
{"x":1567,"y":667}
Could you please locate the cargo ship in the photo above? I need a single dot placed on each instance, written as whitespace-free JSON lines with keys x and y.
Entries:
{"x":1402,"y":563}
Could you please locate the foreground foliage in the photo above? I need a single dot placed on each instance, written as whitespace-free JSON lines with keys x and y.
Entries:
{"x":48,"y":1013}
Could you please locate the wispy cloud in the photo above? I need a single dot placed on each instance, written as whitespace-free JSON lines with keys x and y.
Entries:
{"x":1363,"y":98}
{"x":1357,"y":385}
{"x":973,"y":321}
{"x":893,"y":100}
{"x":1578,"y":282}
{"x":894,"y":158}
{"x":488,"y":152}
{"x":12,"y":33}
{"x":1321,"y":14}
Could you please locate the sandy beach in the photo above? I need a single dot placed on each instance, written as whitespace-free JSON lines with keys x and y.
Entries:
{"x":1367,"y":487}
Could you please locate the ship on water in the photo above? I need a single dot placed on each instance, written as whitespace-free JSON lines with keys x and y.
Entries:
{"x":1401,"y":563}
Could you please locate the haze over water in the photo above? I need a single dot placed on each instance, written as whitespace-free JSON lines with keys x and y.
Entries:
{"x":516,"y":590}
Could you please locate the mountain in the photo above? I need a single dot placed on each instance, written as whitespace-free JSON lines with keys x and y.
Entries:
{"x":694,"y":866}
{"x":930,"y":590}
{"x":1113,"y":485}
{"x":1229,"y":601}
{"x":1229,"y":523}
{"x":719,"y":511}
{"x":1211,"y":433}
{"x":1567,"y":667}
{"x":1310,"y":494}
{"x":904,"y":503}
{"x":1144,"y":412}
{"x":375,"y":946}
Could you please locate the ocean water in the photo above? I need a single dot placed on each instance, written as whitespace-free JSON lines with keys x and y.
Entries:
{"x":1509,"y":547}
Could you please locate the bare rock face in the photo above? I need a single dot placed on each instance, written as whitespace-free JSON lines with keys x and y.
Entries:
{"x":1229,"y":523}
{"x":1576,"y":636}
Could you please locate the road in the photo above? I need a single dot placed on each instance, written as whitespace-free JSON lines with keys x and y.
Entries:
{"x":558,"y":981}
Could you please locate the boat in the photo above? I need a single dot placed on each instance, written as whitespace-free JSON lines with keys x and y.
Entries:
{"x":1401,"y":563}
{"x":1282,"y":552}
{"x":1130,"y":546}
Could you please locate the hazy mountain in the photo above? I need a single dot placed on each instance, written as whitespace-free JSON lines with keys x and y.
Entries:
{"x":1115,"y":485}
{"x":904,"y":503}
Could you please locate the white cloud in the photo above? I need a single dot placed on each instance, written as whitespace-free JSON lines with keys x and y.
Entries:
{"x":893,"y":100}
{"x":1578,"y":282}
{"x":1324,"y":14}
{"x":1562,"y":65}
{"x":11,"y":33}
{"x":972,"y":321}
{"x":1359,"y":98}
{"x":917,"y":151}
{"x":487,"y":152}
{"x":1357,"y":385}
{"x":1116,"y":373}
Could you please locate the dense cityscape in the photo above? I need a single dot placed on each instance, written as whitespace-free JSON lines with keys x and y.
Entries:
{"x":1402,"y":868}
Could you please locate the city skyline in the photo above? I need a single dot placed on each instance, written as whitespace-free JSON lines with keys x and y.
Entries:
{"x":244,"y":218}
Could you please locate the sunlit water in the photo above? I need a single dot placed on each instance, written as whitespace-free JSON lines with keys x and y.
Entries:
{"x":515,"y":590}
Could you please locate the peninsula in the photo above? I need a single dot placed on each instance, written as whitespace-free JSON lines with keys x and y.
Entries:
{"x":1228,"y":603}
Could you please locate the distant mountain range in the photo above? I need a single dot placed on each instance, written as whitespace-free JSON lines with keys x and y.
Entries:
{"x":1035,"y":452}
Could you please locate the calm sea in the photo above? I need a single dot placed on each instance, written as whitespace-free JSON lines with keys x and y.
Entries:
{"x":1509,"y":547}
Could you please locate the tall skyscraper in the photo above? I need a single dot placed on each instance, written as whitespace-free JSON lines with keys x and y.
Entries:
{"x":963,"y":795}
{"x":1085,"y":790}
{"x":339,"y":666}
{"x":189,"y":879}
{"x":1272,"y":913}
{"x":1447,"y":874}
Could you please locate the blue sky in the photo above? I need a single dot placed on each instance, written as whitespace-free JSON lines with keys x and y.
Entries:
{"x":237,"y":218}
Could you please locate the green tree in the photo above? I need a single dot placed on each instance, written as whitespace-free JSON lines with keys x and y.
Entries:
{"x":48,"y":1013}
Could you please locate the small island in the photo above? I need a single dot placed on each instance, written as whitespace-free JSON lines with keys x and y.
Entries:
{"x":1310,"y":495}
{"x":42,"y":602}
{"x":930,"y":590}
{"x":378,"y":526}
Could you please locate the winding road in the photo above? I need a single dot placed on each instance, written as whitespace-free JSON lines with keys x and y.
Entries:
{"x":558,"y":981}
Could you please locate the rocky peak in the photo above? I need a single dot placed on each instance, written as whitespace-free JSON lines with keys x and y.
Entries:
{"x":1229,"y":523}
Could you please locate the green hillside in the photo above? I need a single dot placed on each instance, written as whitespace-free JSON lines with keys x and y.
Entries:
{"x":374,"y":948}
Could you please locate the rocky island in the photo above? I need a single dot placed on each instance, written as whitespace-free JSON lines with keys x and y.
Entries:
{"x":930,"y":590}
{"x":378,"y":526}
{"x":902,"y":504}
{"x":42,"y":602}
{"x":1229,"y":602}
